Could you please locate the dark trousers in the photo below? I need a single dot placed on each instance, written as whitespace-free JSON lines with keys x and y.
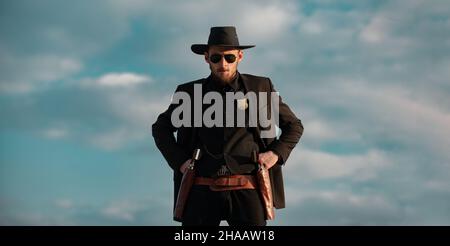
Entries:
{"x":237,"y":207}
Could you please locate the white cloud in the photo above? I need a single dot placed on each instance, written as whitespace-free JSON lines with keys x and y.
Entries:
{"x":15,"y":87}
{"x":110,"y":140}
{"x":402,"y":112}
{"x":135,"y":111}
{"x":340,"y":207}
{"x":314,"y":165}
{"x":337,"y":198}
{"x":52,"y":45}
{"x":25,"y":74}
{"x":376,"y":31}
{"x":56,"y":133}
{"x":115,"y":212}
{"x":138,"y":110}
{"x":318,"y":130}
{"x":312,"y":27}
{"x":125,"y":79}
{"x":51,"y":68}
{"x":378,"y":112}
{"x":64,"y":203}
{"x":124,"y":210}
{"x":266,"y":23}
{"x":438,"y":185}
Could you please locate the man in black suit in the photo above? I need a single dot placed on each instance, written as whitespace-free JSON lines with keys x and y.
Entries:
{"x":230,"y":153}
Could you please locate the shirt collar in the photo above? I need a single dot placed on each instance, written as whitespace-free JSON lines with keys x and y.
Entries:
{"x":232,"y":86}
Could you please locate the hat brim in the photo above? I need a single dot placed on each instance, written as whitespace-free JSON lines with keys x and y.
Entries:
{"x":200,"y":49}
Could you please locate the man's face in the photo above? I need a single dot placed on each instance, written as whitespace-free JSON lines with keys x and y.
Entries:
{"x":223,"y":69}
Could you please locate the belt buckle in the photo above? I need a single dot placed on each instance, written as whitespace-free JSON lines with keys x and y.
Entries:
{"x":223,"y":171}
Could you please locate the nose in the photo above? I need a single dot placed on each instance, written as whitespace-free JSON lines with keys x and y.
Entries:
{"x":222,"y":62}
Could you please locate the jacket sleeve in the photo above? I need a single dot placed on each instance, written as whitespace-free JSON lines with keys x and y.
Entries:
{"x":163,"y":133}
{"x":291,"y":131}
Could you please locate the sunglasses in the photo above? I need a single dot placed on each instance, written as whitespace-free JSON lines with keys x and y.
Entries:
{"x":215,"y":58}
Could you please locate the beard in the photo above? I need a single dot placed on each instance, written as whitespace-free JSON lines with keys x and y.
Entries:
{"x":224,"y":78}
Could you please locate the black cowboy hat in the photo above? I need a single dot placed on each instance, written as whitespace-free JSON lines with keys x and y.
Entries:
{"x":224,"y":36}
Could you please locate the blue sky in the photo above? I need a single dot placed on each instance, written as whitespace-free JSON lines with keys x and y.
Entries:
{"x":81,"y":82}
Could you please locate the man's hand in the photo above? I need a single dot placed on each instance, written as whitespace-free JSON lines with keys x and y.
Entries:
{"x":185,"y":165}
{"x":268,"y":159}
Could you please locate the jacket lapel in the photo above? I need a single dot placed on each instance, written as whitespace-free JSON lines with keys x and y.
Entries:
{"x":249,"y":86}
{"x":194,"y":130}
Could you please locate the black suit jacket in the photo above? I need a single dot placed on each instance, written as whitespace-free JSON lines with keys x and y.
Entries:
{"x":177,"y":150}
